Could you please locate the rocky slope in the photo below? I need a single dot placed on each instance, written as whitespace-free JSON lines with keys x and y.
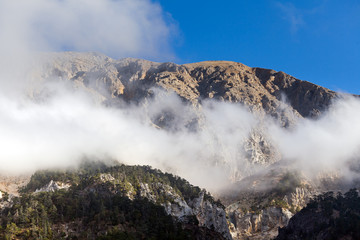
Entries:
{"x":265,"y":203}
{"x":11,"y":184}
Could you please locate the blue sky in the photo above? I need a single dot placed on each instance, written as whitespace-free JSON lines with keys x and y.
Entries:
{"x":317,"y":41}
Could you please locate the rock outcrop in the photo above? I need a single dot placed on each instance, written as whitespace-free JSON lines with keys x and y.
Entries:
{"x":53,"y":186}
{"x":259,"y":217}
{"x":258,"y":205}
{"x":208,"y":214}
{"x":261,"y":225}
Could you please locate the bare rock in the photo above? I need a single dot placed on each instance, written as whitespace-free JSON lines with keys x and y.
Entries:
{"x":265,"y":91}
{"x":210,"y":215}
{"x":53,"y":186}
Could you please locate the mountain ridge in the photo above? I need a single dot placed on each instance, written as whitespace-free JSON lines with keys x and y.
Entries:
{"x":265,"y":91}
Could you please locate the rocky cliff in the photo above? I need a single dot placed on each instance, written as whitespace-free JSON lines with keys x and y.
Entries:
{"x":258,"y":205}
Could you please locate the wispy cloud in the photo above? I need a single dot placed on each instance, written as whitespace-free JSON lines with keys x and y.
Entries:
{"x":293,"y":15}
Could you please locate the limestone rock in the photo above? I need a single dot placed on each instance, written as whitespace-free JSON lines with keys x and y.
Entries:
{"x":208,"y":214}
{"x":53,"y":186}
{"x":262,"y":225}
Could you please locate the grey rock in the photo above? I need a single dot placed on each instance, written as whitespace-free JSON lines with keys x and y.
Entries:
{"x":53,"y":186}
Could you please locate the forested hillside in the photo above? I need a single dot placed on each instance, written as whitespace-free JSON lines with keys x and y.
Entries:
{"x":101,"y":202}
{"x":328,"y":216}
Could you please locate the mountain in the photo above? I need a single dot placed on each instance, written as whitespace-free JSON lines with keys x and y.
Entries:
{"x":264,"y":92}
{"x":264,"y":192}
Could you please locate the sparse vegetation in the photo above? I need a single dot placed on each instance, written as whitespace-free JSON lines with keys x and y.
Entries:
{"x":288,"y":182}
{"x":279,"y":202}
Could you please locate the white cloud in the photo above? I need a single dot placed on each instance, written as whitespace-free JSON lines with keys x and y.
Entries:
{"x":292,"y":15}
{"x":69,"y":126}
{"x":118,"y":28}
{"x":330,"y":143}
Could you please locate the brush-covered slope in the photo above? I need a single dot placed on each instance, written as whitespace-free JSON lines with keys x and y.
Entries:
{"x":118,"y":202}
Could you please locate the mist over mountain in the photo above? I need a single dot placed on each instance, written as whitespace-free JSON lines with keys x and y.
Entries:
{"x":246,"y":116}
{"x":95,"y":145}
{"x":262,"y":141}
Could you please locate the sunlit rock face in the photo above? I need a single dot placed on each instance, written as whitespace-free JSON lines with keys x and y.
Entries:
{"x":263,"y":90}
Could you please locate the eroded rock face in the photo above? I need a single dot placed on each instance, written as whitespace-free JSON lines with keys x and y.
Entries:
{"x":308,"y":99}
{"x":208,"y":214}
{"x":276,"y":93}
{"x":12,"y":184}
{"x":261,"y":225}
{"x":266,"y":202}
{"x":259,"y":148}
{"x":53,"y":186}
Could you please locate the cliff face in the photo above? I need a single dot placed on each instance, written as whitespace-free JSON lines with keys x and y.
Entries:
{"x":265,"y":202}
{"x":260,"y":225}
{"x":208,"y":214}
{"x":259,"y":215}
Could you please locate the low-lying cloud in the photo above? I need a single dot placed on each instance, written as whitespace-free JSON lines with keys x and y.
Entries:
{"x":70,"y":125}
{"x":330,"y":143}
